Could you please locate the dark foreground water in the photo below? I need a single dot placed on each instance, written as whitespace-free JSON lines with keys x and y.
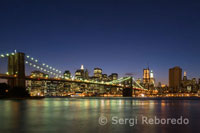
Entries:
{"x":62,"y":115}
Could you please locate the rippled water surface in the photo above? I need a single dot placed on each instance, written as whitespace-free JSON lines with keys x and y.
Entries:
{"x":82,"y":115}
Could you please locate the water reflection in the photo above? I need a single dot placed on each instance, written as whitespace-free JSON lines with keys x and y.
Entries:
{"x":81,"y":115}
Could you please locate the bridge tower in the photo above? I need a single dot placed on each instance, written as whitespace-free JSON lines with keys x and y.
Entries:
{"x":16,"y":67}
{"x":128,"y":88}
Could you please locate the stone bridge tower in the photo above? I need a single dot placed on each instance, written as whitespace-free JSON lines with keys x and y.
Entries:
{"x":16,"y":67}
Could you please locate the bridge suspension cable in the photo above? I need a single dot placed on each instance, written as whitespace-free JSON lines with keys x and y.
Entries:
{"x":6,"y":55}
{"x":42,"y":66}
{"x":120,"y":80}
{"x":138,"y":84}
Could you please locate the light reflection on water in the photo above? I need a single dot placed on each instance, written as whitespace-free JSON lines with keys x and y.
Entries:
{"x":81,"y":115}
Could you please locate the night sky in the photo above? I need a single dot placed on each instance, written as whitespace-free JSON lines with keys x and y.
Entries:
{"x":116,"y":35}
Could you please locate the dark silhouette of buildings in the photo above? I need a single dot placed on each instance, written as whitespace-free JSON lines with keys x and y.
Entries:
{"x":175,"y":78}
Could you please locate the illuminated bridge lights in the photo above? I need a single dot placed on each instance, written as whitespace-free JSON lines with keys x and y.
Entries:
{"x":53,"y":71}
{"x":48,"y":68}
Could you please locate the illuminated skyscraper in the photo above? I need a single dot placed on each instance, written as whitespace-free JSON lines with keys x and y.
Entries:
{"x":81,"y":73}
{"x":113,"y":76}
{"x":82,"y":67}
{"x":104,"y":77}
{"x":185,"y":76}
{"x":67,"y":74}
{"x":152,"y":80}
{"x":98,"y":73}
{"x":146,"y":76}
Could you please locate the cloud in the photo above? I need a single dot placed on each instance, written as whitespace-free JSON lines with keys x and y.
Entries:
{"x":130,"y":74}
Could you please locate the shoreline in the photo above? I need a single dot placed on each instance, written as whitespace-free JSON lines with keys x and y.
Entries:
{"x":124,"y":98}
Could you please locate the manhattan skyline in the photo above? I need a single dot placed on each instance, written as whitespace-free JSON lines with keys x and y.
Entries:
{"x":117,"y":37}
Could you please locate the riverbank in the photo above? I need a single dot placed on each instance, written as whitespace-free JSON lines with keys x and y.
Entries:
{"x":142,"y":98}
{"x":128,"y":98}
{"x":19,"y":98}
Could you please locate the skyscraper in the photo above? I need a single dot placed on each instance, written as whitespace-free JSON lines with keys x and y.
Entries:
{"x":98,"y":73}
{"x":82,"y":73}
{"x":146,"y":76}
{"x":67,"y":74}
{"x":185,"y":76}
{"x":175,"y":76}
{"x":113,"y":76}
{"x":152,"y":80}
{"x":82,"y":67}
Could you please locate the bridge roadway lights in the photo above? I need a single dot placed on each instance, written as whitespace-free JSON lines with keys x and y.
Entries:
{"x":16,"y":67}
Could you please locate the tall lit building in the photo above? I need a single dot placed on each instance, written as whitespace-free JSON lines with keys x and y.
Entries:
{"x":98,"y":73}
{"x":175,"y":76}
{"x":79,"y":74}
{"x":152,"y":79}
{"x":82,"y":73}
{"x":86,"y":74}
{"x":185,"y":76}
{"x":146,"y":76}
{"x":82,"y":67}
{"x":104,"y":77}
{"x":67,"y":74}
{"x":113,"y":76}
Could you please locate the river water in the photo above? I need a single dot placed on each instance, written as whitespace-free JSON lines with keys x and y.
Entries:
{"x":75,"y":115}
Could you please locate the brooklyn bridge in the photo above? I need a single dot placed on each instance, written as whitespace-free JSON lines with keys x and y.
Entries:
{"x":16,"y":76}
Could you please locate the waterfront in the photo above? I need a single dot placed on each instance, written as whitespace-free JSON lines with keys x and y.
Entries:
{"x":82,"y":114}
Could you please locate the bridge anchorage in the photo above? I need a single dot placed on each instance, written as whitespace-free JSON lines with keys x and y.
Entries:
{"x":17,"y":78}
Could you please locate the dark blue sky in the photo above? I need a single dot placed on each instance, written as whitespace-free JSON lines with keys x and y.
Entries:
{"x":117,"y":35}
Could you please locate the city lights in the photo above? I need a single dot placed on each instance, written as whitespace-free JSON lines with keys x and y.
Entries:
{"x":82,"y":76}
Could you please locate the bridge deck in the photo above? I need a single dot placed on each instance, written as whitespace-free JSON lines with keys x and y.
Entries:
{"x":6,"y":76}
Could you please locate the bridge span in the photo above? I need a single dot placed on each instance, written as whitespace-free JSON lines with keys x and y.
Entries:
{"x":16,"y":74}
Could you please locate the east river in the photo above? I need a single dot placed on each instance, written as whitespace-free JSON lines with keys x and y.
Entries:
{"x":75,"y":115}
